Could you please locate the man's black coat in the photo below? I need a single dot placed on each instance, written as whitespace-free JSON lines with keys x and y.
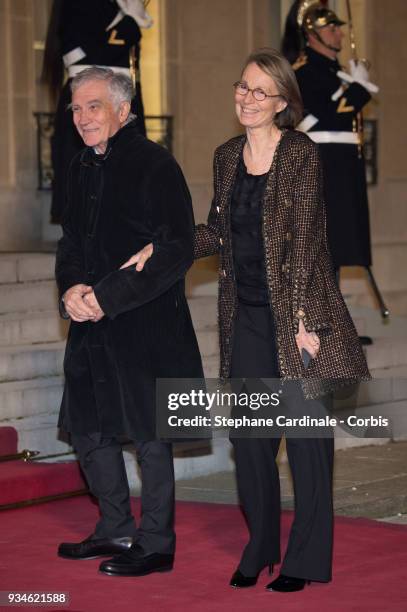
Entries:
{"x":117,"y":203}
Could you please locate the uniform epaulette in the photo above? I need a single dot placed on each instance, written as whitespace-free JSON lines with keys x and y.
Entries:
{"x":300,"y":61}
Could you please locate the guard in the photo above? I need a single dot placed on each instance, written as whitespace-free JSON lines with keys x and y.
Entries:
{"x":80,"y":34}
{"x":333,"y":100}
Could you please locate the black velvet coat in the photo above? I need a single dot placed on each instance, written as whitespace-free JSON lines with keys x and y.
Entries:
{"x":117,"y":203}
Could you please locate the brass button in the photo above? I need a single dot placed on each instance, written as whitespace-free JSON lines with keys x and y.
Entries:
{"x":224,"y":272}
{"x":300,"y":314}
{"x":289,"y":235}
{"x":218,"y":209}
{"x":221,"y":241}
{"x":288,"y":202}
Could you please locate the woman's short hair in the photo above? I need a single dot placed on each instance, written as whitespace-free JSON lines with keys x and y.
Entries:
{"x":278,"y":68}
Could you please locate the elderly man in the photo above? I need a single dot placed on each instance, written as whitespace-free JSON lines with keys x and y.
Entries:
{"x":128,"y":328}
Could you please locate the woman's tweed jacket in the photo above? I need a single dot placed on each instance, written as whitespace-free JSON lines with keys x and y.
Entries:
{"x":298,"y":265}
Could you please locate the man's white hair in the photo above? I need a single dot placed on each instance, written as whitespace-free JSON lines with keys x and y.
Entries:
{"x":120,"y":86}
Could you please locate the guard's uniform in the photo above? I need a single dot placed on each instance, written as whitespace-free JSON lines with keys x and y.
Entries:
{"x":88,"y":38}
{"x":330,"y":120}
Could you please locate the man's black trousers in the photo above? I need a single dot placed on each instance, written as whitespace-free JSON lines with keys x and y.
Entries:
{"x":102,"y":462}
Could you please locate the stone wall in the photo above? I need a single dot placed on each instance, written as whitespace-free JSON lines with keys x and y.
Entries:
{"x":388,"y":200}
{"x":20,"y":206}
{"x":380,"y":37}
{"x":205,"y":46}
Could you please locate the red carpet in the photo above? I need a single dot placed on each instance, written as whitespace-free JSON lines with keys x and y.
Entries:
{"x":369,"y":567}
{"x":22,"y":481}
{"x":8,"y":440}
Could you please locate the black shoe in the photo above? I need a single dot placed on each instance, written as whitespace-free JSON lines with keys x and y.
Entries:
{"x":287,"y":584}
{"x":240,"y":581}
{"x":135,"y":562}
{"x":92,"y":547}
{"x":365,"y":340}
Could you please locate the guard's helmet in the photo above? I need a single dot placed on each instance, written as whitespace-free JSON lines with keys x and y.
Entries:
{"x":316,"y":16}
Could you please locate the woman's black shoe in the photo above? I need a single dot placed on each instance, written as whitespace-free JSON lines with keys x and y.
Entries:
{"x":239,"y":581}
{"x":287,"y":584}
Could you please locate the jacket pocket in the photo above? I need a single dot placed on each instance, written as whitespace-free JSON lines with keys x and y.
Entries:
{"x":317,"y":310}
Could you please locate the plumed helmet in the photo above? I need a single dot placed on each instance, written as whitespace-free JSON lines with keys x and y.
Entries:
{"x":314,"y":15}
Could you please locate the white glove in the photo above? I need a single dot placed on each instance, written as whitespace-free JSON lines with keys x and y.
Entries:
{"x":359,"y":74}
{"x":358,"y":71}
{"x":135,"y":9}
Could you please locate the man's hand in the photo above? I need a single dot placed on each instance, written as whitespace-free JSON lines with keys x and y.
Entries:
{"x":91,"y":302}
{"x":307,"y":340}
{"x":358,"y":71}
{"x":75,"y":304}
{"x":140,"y":258}
{"x":358,"y":74}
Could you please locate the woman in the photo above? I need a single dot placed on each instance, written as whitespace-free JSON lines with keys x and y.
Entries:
{"x":277,"y":298}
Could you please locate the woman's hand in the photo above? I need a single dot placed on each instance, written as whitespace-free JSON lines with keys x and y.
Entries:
{"x":307,"y":340}
{"x":140,"y":258}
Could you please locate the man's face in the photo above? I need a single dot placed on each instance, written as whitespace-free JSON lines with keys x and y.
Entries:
{"x":332,"y":35}
{"x":94,"y":114}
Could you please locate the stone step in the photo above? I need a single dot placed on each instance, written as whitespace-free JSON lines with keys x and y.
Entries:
{"x":357,"y":290}
{"x":39,"y":359}
{"x":387,"y":352}
{"x":211,"y":366}
{"x":202,"y":278}
{"x":396,"y":301}
{"x":31,"y":361}
{"x":23,"y":398}
{"x":196,"y":459}
{"x":40,"y":433}
{"x":354,"y":280}
{"x":32,"y":327}
{"x":23,"y":267}
{"x":28,"y":296}
{"x":208,"y":342}
{"x":204,"y":311}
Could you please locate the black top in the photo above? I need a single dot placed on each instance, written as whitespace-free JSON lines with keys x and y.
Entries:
{"x":247,"y":238}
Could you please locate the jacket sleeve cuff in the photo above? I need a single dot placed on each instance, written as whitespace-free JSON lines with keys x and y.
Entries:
{"x":62,"y":310}
{"x":313,"y":322}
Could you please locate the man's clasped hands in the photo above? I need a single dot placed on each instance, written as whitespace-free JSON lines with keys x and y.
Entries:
{"x":80,"y":301}
{"x":81,"y":304}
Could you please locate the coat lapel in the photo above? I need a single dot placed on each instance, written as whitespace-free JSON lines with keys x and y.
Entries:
{"x":230,"y":168}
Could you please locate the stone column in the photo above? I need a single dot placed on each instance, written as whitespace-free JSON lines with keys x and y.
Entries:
{"x":20,"y":208}
{"x":205,"y":45}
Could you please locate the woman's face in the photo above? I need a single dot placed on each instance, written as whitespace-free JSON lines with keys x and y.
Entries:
{"x":253,"y":113}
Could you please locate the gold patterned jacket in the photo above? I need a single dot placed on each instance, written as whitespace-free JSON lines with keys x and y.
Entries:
{"x":299,"y":270}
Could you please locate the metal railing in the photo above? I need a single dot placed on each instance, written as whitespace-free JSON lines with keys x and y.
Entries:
{"x":370,"y":149}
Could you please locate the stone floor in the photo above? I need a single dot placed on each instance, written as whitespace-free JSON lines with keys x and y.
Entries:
{"x":369,"y":482}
